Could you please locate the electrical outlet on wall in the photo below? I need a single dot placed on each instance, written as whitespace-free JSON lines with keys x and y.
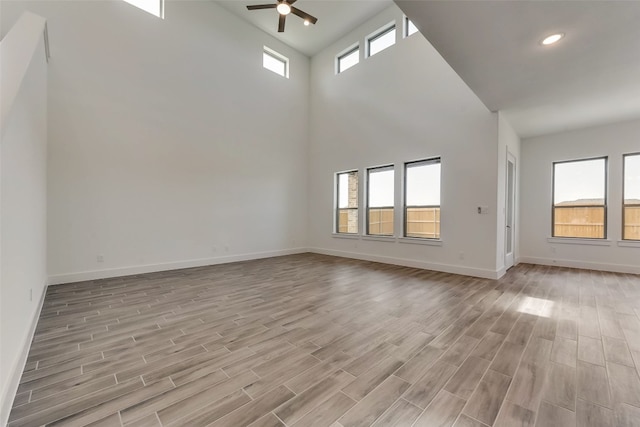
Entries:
{"x":100,"y":258}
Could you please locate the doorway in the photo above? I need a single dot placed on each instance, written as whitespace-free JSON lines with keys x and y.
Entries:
{"x":510,"y":232}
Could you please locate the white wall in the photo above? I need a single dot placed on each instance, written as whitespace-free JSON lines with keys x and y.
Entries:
{"x":167,"y":143}
{"x":404,"y":104}
{"x":23,"y":189}
{"x":508,"y":142}
{"x":538,"y":154}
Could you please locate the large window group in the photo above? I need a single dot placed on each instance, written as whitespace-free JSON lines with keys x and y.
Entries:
{"x":421,"y":201}
{"x":380,"y":40}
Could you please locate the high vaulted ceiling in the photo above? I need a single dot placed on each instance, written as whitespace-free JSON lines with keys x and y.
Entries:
{"x":335,"y":18}
{"x":590,"y":77}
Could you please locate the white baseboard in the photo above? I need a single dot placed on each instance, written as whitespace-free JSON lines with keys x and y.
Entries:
{"x":446,"y":268}
{"x":585,"y":265}
{"x":16,"y":373}
{"x":58,"y":279}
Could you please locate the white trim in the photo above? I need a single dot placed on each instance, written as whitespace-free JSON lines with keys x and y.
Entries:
{"x":352,"y":236}
{"x":58,"y":279}
{"x":629,"y":243}
{"x":585,"y":265}
{"x":419,"y":241}
{"x":372,"y":238}
{"x":579,"y":241}
{"x":16,"y":373}
{"x":446,"y":268}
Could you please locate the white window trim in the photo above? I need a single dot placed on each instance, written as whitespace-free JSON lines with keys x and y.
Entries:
{"x":579,"y":241}
{"x":372,"y":238}
{"x":278,"y":56}
{"x":629,"y":243}
{"x":346,"y":236}
{"x":420,"y":241}
{"x":354,"y":47}
{"x":379,"y":33}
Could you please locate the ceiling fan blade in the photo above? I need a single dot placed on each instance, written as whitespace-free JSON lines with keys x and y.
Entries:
{"x":304,"y":15}
{"x":291,"y":2}
{"x":262,"y":6}
{"x":281,"y":23}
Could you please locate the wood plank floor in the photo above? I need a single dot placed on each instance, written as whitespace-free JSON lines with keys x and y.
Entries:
{"x":311,"y":340}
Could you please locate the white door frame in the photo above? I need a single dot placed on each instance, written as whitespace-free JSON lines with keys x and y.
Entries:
{"x":510,"y":211}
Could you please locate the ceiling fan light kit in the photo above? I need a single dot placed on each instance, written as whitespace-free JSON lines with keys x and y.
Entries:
{"x":284,"y":8}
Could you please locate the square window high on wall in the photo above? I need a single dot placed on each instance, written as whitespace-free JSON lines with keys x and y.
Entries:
{"x":380,"y":201}
{"x":631,"y":203}
{"x":422,"y":199}
{"x":347,"y":202}
{"x":276,"y":62}
{"x":580,"y":199}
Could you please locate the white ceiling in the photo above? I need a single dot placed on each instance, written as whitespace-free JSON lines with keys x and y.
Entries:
{"x":590,"y":77}
{"x":335,"y":18}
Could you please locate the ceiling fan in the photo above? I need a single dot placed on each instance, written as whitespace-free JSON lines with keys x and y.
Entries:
{"x":284,"y":8}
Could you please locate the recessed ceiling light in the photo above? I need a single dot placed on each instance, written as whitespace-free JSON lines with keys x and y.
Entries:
{"x":306,"y":22}
{"x":553,"y":38}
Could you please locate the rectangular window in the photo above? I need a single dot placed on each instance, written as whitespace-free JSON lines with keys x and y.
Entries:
{"x":273,"y":61}
{"x":347,"y":202}
{"x":631,"y":204}
{"x":381,"y":40}
{"x":580,"y":198}
{"x":409,"y":27}
{"x":422,"y":199}
{"x":380,"y":201}
{"x":154,"y":7}
{"x":348,"y":59}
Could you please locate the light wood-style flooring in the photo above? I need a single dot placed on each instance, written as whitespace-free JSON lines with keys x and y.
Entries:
{"x":311,"y":340}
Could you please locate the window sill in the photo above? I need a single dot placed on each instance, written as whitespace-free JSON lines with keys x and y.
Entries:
{"x":579,"y":241}
{"x":629,"y":243}
{"x":346,"y":236}
{"x":380,"y":238}
{"x":418,"y":241}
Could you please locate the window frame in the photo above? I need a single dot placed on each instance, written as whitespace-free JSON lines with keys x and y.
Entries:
{"x":350,"y":50}
{"x":142,"y":7}
{"x":431,"y":160}
{"x":368,"y":199}
{"x":381,"y":32}
{"x":624,"y":204}
{"x":278,"y":57}
{"x":605,"y":205}
{"x":336,"y":228}
{"x":406,"y":21}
